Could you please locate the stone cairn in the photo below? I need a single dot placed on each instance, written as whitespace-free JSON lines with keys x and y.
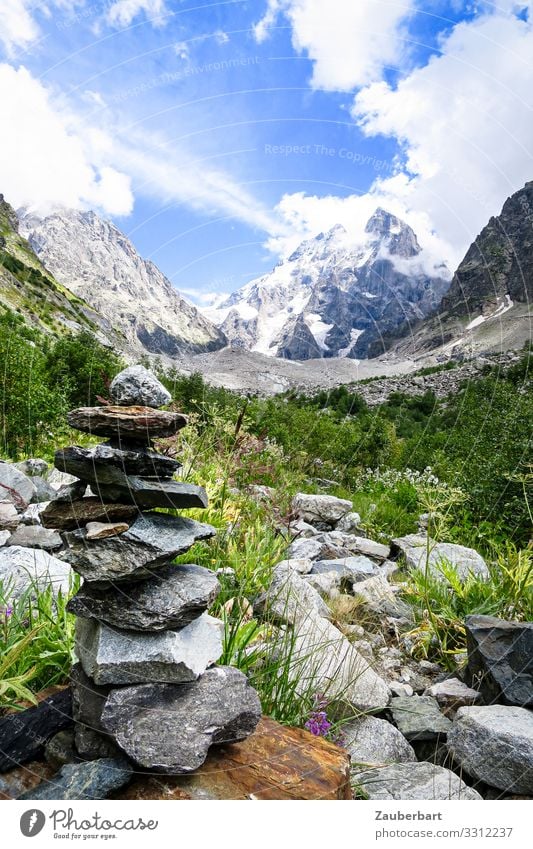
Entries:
{"x":146,"y":684}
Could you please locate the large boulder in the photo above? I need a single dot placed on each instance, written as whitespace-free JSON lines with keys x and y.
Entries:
{"x":110,"y":656}
{"x":172,"y":598}
{"x":417,"y":550}
{"x":495,"y":744}
{"x":15,"y":487}
{"x":321,"y":509}
{"x":500,"y":659}
{"x":170,"y":727}
{"x":136,"y":386}
{"x":413,"y":781}
{"x":370,"y":740}
{"x":25,"y":568}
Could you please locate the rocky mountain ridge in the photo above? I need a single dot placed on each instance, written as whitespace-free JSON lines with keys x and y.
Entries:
{"x":100,"y":264}
{"x":334,"y":297}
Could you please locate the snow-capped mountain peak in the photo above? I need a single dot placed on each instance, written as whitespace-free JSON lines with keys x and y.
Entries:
{"x":334,"y":296}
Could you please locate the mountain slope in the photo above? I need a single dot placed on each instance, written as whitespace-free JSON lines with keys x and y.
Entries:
{"x":99,"y":263}
{"x":333,"y":297}
{"x":28,"y":288}
{"x":487,"y":307}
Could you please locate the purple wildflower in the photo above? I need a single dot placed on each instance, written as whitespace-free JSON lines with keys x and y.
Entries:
{"x":8,"y":611}
{"x":318,"y":723}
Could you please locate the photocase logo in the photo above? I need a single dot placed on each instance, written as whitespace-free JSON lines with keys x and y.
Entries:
{"x":32,"y":822}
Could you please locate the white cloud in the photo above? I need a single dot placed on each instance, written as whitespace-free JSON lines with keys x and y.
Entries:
{"x":123,"y":12}
{"x":18,"y":29}
{"x":45,"y":159}
{"x":350,"y":42}
{"x":465,"y":123}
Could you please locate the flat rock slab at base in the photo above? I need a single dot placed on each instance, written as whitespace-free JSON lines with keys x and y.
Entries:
{"x":500,"y":659}
{"x":275,"y":762}
{"x":413,"y":781}
{"x":170,"y":727}
{"x":35,"y":536}
{"x":92,"y":780}
{"x":15,"y":487}
{"x":151,"y":541}
{"x":76,"y":514}
{"x":116,"y":657}
{"x":172,"y":598}
{"x":495,"y":744}
{"x":419,"y":717}
{"x":23,"y":734}
{"x":465,"y":561}
{"x":370,"y":740}
{"x":147,"y":493}
{"x":137,"y":385}
{"x":103,"y":460}
{"x":320,"y":508}
{"x":139,"y":423}
{"x":25,"y":568}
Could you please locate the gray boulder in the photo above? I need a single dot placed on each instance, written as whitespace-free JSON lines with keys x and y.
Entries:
{"x":9,"y":516}
{"x":21,"y":568}
{"x":320,"y":508}
{"x":32,"y":467}
{"x":414,"y":548}
{"x":319,"y":547}
{"x":15,"y":487}
{"x":500,"y":659}
{"x":413,"y":781}
{"x":4,"y":537}
{"x":353,"y":569}
{"x":289,"y":599}
{"x":110,"y":656}
{"x":370,"y":740}
{"x":169,"y":728}
{"x":495,"y":744}
{"x":349,"y":524}
{"x":89,"y":781}
{"x":151,"y":541}
{"x":172,"y":598}
{"x":356,"y":545}
{"x":453,"y":693}
{"x":43,"y":490}
{"x":136,"y":386}
{"x":380,"y":597}
{"x":300,"y":565}
{"x":35,"y":536}
{"x":419,"y":717}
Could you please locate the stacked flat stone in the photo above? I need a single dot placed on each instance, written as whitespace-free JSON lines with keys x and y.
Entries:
{"x":146,"y":682}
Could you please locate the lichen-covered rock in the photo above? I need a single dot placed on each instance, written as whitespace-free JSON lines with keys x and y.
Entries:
{"x":151,"y":541}
{"x":495,"y":744}
{"x":170,"y":599}
{"x":136,"y":385}
{"x":170,"y":727}
{"x":139,"y":423}
{"x":413,"y":781}
{"x":110,"y":656}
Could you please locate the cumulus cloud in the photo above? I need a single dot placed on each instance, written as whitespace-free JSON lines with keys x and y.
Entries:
{"x":18,"y":28}
{"x":350,"y":42}
{"x":123,"y":12}
{"x":45,"y":161}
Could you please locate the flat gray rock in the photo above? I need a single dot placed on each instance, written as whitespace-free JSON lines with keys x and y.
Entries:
{"x":500,"y":659}
{"x":22,"y":568}
{"x":72,"y":515}
{"x":319,"y":547}
{"x":419,"y":717}
{"x":151,"y":541}
{"x":136,"y":385}
{"x":110,"y":656}
{"x":139,"y":423}
{"x":356,"y":545}
{"x":169,"y":728}
{"x":35,"y":536}
{"x":146,"y":494}
{"x":320,"y":508}
{"x":370,"y":740}
{"x":170,"y":599}
{"x":413,"y":781}
{"x":90,"y":781}
{"x":15,"y":487}
{"x":414,"y":548}
{"x":102,"y":460}
{"x":355,"y":568}
{"x":453,"y":693}
{"x":495,"y":744}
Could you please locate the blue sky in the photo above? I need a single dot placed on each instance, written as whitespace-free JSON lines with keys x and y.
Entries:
{"x":219,"y":135}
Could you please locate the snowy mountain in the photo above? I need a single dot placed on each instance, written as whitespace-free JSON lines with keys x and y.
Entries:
{"x":334,"y":298}
{"x":97,"y":262}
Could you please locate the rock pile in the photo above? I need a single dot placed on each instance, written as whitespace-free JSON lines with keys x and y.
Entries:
{"x":146,"y":681}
